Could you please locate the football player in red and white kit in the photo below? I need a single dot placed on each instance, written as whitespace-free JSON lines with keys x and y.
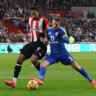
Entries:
{"x":38,"y":46}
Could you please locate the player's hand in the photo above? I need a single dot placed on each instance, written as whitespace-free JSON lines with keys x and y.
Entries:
{"x":46,"y":41}
{"x":6,"y":19}
{"x":59,"y":35}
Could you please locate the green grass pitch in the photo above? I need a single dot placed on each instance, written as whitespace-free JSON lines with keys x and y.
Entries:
{"x":59,"y":81}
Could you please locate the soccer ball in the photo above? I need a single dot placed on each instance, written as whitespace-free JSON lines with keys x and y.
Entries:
{"x":32,"y":85}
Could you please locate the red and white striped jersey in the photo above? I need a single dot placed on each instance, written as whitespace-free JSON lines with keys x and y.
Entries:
{"x":37,"y":28}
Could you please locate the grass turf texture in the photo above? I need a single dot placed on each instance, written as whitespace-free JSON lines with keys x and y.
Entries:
{"x":59,"y":81}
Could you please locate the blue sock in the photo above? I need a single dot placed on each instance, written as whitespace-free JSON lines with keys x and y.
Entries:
{"x":42,"y":73}
{"x":85,"y":74}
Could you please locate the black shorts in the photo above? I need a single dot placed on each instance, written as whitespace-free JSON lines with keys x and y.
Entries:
{"x":36,"y":48}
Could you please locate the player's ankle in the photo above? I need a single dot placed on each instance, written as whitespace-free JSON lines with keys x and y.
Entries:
{"x":15,"y":80}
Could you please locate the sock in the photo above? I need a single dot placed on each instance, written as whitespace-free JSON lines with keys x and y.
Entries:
{"x":15,"y":79}
{"x":42,"y":73}
{"x":16,"y":72}
{"x":37,"y":66}
{"x":85,"y":74}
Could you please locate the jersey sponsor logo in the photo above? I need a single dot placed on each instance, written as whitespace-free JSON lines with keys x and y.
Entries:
{"x":55,"y":42}
{"x":39,"y":22}
{"x":52,"y":38}
{"x":36,"y":29}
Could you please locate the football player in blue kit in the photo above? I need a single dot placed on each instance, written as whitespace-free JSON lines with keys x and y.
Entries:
{"x":57,"y":36}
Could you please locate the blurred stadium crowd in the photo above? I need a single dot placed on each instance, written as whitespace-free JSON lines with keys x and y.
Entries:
{"x":7,"y":37}
{"x":82,"y":30}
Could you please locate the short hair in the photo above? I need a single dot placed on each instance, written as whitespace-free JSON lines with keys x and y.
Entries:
{"x":56,"y":19}
{"x":35,"y":8}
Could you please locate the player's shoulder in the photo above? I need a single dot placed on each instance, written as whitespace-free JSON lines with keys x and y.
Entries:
{"x":28,"y":18}
{"x":44,"y":18}
{"x":49,"y":29}
{"x":63,"y":29}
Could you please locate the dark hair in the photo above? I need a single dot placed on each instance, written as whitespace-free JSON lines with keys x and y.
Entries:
{"x":56,"y":19}
{"x":35,"y":8}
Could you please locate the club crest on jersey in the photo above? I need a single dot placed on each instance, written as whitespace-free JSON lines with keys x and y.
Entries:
{"x":56,"y":33}
{"x":49,"y":33}
{"x":38,"y":49}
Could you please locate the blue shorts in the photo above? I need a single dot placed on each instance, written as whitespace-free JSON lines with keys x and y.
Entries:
{"x":64,"y":57}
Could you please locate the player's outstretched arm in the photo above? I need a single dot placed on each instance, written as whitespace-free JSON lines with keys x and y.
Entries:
{"x":64,"y":38}
{"x":17,"y":19}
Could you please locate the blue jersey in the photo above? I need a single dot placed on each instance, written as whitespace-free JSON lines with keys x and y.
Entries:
{"x":56,"y":44}
{"x":58,"y":50}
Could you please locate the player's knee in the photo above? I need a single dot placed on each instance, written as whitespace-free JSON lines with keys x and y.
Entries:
{"x":21,"y":59}
{"x":76,"y":66}
{"x":34,"y":59}
{"x":44,"y":63}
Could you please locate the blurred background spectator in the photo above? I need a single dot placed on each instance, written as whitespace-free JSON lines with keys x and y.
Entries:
{"x":78,"y":28}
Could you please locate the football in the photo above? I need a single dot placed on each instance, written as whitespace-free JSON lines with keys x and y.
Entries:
{"x":32,"y":85}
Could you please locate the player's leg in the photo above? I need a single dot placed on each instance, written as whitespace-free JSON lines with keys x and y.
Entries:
{"x":34,"y":60}
{"x":67,"y":59}
{"x":49,"y":60}
{"x":17,"y":70}
{"x":83,"y":72}
{"x":18,"y":67}
{"x":52,"y":64}
{"x":25,"y":54}
{"x":38,"y":54}
{"x":42,"y":72}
